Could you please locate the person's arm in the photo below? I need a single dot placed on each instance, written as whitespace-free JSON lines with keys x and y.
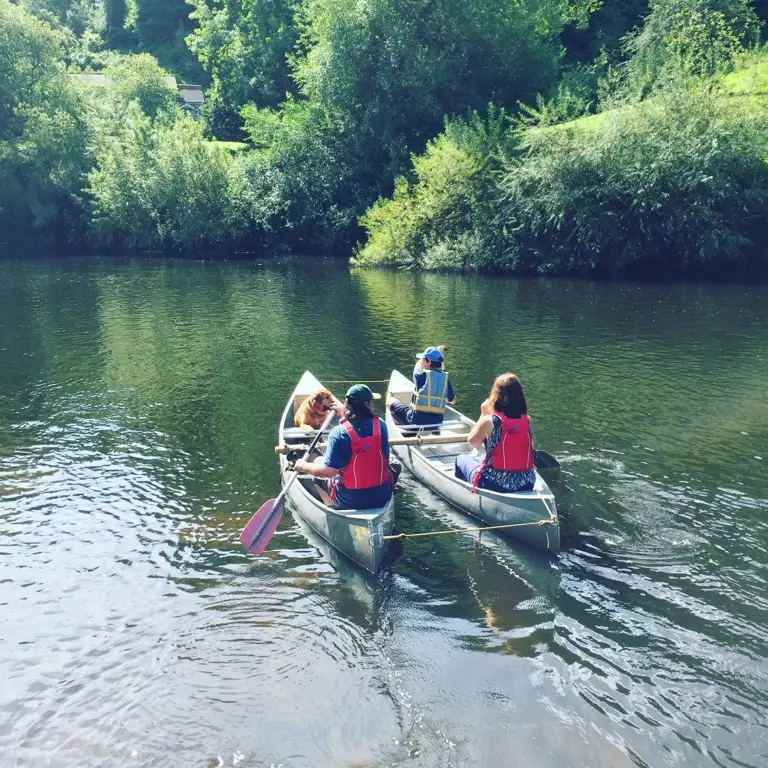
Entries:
{"x":316,"y":470}
{"x":485,"y":408}
{"x":450,"y":394}
{"x":337,"y":455}
{"x":384,"y":440}
{"x":480,"y":432}
{"x":419,"y":380}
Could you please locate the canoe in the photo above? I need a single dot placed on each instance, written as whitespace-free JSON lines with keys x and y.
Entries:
{"x":533,"y":513}
{"x":356,"y":533}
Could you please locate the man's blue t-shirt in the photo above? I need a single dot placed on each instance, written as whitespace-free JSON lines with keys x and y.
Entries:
{"x":339,"y":454}
{"x":422,"y":417}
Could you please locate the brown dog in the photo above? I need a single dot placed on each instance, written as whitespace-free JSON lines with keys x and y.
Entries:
{"x":312,"y":412}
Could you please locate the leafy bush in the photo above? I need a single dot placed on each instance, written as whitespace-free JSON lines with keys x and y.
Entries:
{"x":668,"y":184}
{"x":676,"y":183}
{"x":437,"y":221}
{"x":680,"y":39}
{"x":161,"y":184}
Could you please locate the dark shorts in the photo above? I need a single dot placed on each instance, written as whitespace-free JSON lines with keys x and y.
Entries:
{"x":407,"y":414}
{"x":368,"y":498}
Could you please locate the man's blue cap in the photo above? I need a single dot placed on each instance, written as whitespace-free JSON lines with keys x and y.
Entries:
{"x":432,"y":354}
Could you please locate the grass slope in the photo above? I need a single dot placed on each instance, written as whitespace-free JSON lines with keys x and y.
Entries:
{"x":749,"y":83}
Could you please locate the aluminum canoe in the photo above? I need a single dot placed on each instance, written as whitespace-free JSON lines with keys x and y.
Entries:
{"x":532,"y":513}
{"x":356,"y":533}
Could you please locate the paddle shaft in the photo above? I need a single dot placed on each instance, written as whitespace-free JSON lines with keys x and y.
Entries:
{"x":279,"y":500}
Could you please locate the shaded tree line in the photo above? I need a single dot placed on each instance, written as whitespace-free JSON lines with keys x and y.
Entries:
{"x":524,"y":135}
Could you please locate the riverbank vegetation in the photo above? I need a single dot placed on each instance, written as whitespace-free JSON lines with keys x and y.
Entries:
{"x":538,"y":136}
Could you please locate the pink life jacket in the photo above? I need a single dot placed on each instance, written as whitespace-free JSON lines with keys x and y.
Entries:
{"x":368,"y":468}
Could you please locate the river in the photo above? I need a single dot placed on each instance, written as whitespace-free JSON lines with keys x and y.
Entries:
{"x":139,"y":402}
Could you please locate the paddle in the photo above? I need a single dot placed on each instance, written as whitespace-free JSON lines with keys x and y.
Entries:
{"x":544,"y":460}
{"x":260,"y":528}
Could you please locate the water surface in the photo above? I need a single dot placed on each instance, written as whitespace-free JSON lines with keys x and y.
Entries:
{"x":139,"y":402}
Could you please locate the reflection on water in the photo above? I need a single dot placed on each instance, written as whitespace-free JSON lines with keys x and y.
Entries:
{"x":139,"y":403}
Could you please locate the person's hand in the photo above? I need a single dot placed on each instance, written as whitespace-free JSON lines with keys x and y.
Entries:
{"x":300,"y":465}
{"x":485,"y":408}
{"x":338,"y":408}
{"x":390,"y":399}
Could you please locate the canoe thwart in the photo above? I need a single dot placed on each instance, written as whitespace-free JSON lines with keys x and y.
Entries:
{"x":427,"y":440}
{"x":454,"y":424}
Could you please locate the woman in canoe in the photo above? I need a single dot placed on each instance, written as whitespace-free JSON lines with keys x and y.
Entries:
{"x":506,"y":430}
{"x":356,"y":462}
{"x":431,"y":392}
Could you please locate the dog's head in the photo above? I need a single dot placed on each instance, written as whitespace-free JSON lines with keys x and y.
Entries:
{"x":321,"y":401}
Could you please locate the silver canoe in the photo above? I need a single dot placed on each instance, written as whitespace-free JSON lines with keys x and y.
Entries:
{"x":533,"y":513}
{"x":357,"y":533}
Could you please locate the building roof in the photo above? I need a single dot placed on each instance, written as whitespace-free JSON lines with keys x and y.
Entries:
{"x":191,"y":94}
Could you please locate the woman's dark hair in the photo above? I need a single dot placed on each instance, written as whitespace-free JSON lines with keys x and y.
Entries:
{"x":507,"y":396}
{"x":357,"y":410}
{"x":435,"y":366}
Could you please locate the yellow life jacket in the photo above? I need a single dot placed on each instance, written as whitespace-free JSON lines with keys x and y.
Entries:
{"x":431,"y":397}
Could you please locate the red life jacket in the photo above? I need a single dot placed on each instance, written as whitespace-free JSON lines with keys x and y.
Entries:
{"x":368,"y":468}
{"x":514,"y":451}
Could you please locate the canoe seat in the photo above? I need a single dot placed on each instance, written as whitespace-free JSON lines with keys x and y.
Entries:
{"x":446,"y":463}
{"x":297,"y":433}
{"x":411,"y":428}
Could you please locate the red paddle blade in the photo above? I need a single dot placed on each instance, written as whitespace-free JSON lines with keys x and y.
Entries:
{"x":260,"y":528}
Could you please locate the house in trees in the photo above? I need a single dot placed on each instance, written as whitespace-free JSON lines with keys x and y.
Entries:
{"x":191,"y":99}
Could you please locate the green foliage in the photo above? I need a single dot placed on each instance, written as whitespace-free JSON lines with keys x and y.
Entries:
{"x":336,"y":96}
{"x":158,"y":185}
{"x":437,"y":221}
{"x":42,"y":133}
{"x":668,"y":185}
{"x":138,"y":78}
{"x":243,"y":44}
{"x":681,"y":38}
{"x":316,"y":168}
{"x":153,"y":22}
{"x":395,"y":68}
{"x":77,"y":15}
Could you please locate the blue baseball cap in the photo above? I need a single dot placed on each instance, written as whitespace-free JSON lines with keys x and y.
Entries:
{"x":432,"y":354}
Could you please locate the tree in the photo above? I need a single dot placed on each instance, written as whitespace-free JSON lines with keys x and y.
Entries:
{"x":395,"y":68}
{"x":160,"y":184}
{"x":244,"y":45}
{"x":139,"y":78}
{"x":43,"y":136}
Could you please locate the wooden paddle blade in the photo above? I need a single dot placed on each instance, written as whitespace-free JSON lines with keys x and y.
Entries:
{"x":544,"y":460}
{"x":261,"y":527}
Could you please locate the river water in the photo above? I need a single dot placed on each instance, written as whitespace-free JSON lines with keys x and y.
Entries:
{"x":139,"y":402}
